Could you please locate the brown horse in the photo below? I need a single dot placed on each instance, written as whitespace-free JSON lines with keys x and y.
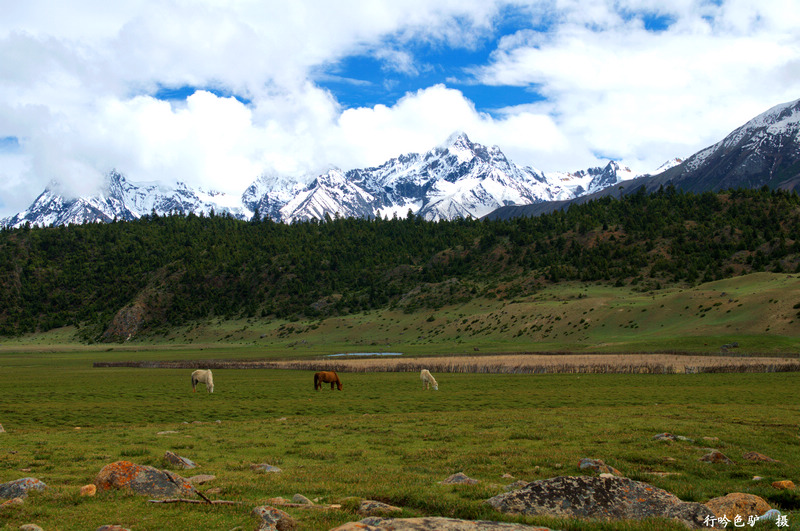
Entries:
{"x":327,"y":377}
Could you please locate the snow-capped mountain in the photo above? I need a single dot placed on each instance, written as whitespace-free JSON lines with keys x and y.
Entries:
{"x":456,"y":179}
{"x":764,"y":151}
{"x":124,"y":201}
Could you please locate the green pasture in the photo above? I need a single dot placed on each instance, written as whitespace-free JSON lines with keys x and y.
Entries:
{"x":760,"y":312}
{"x":380,"y":438}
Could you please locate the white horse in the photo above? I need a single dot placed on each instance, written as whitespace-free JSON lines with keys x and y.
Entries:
{"x":428,"y":380}
{"x":203,"y":376}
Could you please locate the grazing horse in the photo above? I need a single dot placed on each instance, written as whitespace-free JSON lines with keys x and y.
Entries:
{"x":428,"y":380}
{"x":327,"y":377}
{"x":203,"y":376}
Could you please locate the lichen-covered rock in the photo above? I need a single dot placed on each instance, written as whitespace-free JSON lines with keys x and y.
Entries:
{"x":19,"y":488}
{"x":598,"y":466}
{"x":89,"y":490}
{"x":607,"y":498}
{"x":178,"y":461}
{"x":785,"y":484}
{"x":432,"y":523}
{"x":715,"y":456}
{"x":755,"y":456}
{"x":738,"y":504}
{"x":518,"y":484}
{"x":376,"y":508}
{"x":460,"y":478}
{"x":272,"y":519}
{"x":143,"y":479}
{"x":11,"y":503}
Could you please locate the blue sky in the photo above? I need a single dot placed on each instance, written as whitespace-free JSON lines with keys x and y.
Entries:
{"x":216,"y":93}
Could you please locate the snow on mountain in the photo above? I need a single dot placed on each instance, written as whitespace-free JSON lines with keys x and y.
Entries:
{"x":765,"y":151}
{"x":122,"y":200}
{"x":332,"y":194}
{"x":584,"y":182}
{"x":458,"y":178}
{"x":671,"y":163}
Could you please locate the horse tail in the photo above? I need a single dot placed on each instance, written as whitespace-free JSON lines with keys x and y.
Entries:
{"x":316,"y":381}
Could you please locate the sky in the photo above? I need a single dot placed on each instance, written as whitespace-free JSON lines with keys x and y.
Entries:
{"x":215,"y":93}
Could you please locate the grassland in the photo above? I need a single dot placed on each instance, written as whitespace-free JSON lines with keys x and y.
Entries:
{"x":380,"y":438}
{"x":760,"y":312}
{"x":383,"y":438}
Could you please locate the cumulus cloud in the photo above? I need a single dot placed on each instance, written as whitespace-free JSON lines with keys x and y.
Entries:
{"x":78,"y":82}
{"x":635,"y":94}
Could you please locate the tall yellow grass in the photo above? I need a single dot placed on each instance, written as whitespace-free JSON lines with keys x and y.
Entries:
{"x":506,"y":364}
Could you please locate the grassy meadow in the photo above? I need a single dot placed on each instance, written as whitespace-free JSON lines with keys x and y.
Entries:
{"x":380,"y":438}
{"x":760,"y":312}
{"x":383,"y":438}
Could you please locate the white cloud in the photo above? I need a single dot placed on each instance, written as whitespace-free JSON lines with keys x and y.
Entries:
{"x":646,"y":96}
{"x":76,"y":80}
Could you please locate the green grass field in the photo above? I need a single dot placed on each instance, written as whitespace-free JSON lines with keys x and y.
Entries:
{"x":380,"y":438}
{"x":760,"y":312}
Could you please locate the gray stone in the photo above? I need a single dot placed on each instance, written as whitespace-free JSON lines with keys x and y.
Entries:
{"x":376,"y":508}
{"x":598,"y":466}
{"x":299,"y":498}
{"x":715,"y":456}
{"x":263,"y":467}
{"x":178,"y":461}
{"x":201,"y":479}
{"x":432,"y":523}
{"x":272,"y":519}
{"x":666,"y":436}
{"x":19,"y":488}
{"x":606,"y":498}
{"x":461,"y":479}
{"x":30,"y":527}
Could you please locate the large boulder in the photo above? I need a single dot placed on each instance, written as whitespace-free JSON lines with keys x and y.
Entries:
{"x":19,"y":488}
{"x":738,"y":504}
{"x":606,"y":498}
{"x":143,"y":479}
{"x":432,"y":523}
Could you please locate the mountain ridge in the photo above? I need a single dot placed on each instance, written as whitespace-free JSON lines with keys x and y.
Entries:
{"x":458,"y":178}
{"x":764,"y":151}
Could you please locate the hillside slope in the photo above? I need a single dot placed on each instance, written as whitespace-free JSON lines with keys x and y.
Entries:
{"x":119,"y":280}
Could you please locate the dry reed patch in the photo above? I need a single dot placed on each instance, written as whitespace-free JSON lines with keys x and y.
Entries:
{"x":558,"y":363}
{"x":509,"y":364}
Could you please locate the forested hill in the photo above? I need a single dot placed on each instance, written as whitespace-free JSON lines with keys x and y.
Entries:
{"x":120,"y":279}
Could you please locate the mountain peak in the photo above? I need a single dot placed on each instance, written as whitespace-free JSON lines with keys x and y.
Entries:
{"x":457,"y":139}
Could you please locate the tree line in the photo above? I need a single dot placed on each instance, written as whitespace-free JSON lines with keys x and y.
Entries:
{"x":180,"y":268}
